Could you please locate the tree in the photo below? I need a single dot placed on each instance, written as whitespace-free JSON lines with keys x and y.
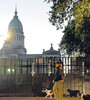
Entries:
{"x":76,"y":41}
{"x":62,"y":10}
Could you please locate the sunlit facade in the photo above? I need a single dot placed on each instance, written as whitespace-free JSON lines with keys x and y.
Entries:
{"x":14,"y":43}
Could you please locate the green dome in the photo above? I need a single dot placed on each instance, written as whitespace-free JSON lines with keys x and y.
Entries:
{"x":15,"y":24}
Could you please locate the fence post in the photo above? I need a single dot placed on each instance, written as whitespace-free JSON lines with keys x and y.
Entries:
{"x":83,"y":83}
{"x":49,"y":69}
{"x":33,"y":69}
{"x":82,"y":68}
{"x":65,"y":70}
{"x":32,"y":76}
{"x":65,"y":83}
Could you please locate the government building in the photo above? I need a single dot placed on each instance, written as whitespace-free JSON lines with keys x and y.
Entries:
{"x":14,"y":57}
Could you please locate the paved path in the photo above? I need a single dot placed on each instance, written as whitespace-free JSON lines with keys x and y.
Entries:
{"x":35,"y":98}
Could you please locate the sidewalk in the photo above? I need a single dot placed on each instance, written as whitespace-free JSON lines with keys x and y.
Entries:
{"x":35,"y":98}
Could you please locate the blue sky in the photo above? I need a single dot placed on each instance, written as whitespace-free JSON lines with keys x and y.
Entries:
{"x":38,"y":31}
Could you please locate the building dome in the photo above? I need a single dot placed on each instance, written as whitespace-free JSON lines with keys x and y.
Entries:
{"x":15,"y":24}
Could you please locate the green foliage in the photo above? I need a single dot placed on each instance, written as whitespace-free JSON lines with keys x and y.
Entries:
{"x":81,"y":10}
{"x":77,"y":33}
{"x":71,"y":42}
{"x":62,"y":10}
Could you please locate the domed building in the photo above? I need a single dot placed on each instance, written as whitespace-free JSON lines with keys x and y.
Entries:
{"x":16,"y":65}
{"x":13,"y":47}
{"x":14,"y":43}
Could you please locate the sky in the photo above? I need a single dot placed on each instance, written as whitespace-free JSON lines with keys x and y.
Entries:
{"x":33,"y":14}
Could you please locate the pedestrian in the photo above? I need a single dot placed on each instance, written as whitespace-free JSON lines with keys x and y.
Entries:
{"x":58,"y":82}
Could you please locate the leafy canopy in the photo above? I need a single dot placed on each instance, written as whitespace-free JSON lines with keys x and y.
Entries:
{"x":62,"y":10}
{"x":71,"y":42}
